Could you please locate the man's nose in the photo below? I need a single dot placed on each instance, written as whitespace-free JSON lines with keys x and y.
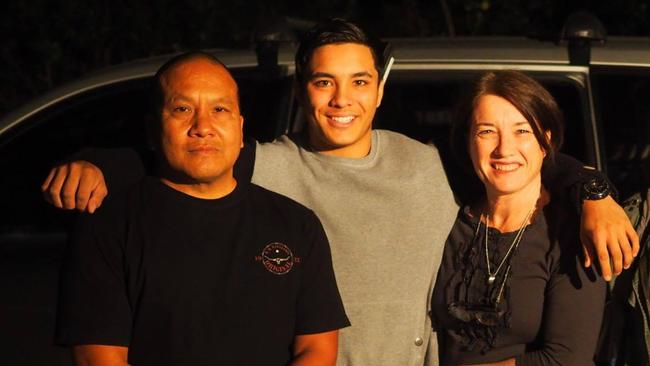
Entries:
{"x":202,"y":124}
{"x":341,"y":97}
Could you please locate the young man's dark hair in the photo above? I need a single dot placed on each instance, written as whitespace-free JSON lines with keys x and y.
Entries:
{"x":334,"y":31}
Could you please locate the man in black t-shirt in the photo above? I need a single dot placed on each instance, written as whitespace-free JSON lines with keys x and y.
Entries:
{"x":195,"y":267}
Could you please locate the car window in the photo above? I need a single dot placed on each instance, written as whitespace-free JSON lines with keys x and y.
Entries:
{"x":623,"y":107}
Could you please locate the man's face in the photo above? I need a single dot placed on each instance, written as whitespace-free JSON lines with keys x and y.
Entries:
{"x":201,"y":127}
{"x":341,"y":95}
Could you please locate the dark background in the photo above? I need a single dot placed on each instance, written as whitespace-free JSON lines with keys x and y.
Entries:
{"x":46,"y":43}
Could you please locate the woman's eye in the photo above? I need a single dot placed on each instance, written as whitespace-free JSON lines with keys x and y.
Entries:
{"x":484,"y":132}
{"x":523,"y":130}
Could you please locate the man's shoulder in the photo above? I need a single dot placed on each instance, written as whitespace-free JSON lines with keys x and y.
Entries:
{"x":120,"y":202}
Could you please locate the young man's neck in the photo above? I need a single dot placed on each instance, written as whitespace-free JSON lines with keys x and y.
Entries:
{"x":357,"y":150}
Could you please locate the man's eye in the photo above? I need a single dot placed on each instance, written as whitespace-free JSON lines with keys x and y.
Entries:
{"x":220,"y":109}
{"x":181,"y":109}
{"x":360,"y":82}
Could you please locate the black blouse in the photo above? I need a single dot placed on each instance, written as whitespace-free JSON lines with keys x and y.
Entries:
{"x":550,"y":307}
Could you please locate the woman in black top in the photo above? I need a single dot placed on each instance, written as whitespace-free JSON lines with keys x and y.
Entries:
{"x":511,"y":289}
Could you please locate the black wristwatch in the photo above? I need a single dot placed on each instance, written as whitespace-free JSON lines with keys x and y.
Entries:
{"x":595,"y":189}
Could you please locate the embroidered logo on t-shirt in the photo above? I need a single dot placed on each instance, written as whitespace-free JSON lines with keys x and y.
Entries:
{"x":277,"y":258}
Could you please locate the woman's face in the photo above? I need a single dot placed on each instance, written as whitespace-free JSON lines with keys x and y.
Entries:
{"x":504,"y":150}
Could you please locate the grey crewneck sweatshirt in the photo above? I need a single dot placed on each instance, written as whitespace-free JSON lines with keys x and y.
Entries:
{"x":387,"y":217}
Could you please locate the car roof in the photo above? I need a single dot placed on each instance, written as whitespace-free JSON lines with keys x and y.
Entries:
{"x":625,"y":51}
{"x":445,"y":52}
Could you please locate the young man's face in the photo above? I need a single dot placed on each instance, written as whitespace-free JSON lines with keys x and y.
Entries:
{"x":341,"y":95}
{"x":201,"y":126}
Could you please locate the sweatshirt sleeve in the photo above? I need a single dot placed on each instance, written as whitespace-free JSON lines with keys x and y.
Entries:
{"x":122,"y":167}
{"x":564,"y":178}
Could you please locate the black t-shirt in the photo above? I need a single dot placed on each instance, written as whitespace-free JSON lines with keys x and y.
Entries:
{"x":187,"y":281}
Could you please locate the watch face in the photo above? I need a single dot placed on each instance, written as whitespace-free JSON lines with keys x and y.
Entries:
{"x":595,"y":189}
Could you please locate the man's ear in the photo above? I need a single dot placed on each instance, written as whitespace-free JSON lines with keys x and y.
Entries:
{"x":152,"y":131}
{"x":241,"y":126}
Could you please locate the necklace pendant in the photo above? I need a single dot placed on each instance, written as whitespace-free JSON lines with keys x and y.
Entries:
{"x":491,"y":279}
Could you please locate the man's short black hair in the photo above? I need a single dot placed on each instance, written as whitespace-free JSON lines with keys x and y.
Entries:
{"x":157,"y":94}
{"x":334,"y":31}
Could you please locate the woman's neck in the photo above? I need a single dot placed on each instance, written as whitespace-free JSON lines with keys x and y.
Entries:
{"x":508,"y":211}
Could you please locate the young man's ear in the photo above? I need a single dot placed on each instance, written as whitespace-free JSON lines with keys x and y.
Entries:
{"x":299,"y":90}
{"x":380,"y":92}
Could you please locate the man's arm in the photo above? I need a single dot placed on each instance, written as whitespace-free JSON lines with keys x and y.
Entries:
{"x":605,"y":231}
{"x":315,"y":349}
{"x":100,"y":355}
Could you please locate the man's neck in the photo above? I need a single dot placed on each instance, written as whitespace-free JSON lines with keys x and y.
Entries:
{"x":210,"y":190}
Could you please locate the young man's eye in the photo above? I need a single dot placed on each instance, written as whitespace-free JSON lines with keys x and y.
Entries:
{"x":360,"y":82}
{"x":220,"y":109}
{"x":322,"y":83}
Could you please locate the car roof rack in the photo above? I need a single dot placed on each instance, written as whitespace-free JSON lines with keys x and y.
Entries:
{"x":581,"y":30}
{"x":270,"y":35}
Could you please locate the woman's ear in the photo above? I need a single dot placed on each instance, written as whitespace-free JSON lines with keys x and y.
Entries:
{"x":547,"y":134}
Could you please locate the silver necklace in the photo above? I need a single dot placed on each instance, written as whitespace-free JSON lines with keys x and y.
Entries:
{"x":515,"y":243}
